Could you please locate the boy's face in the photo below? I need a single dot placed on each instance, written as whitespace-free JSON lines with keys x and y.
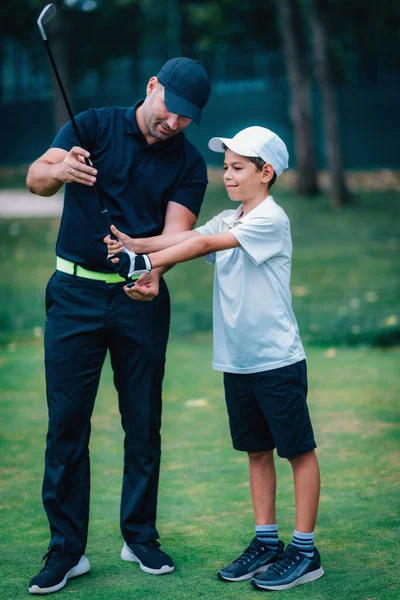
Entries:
{"x":242,"y":179}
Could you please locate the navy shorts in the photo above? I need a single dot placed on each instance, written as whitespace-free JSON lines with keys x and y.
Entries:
{"x":269,"y":410}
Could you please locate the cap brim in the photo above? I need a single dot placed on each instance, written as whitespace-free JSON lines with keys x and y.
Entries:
{"x":216,"y":145}
{"x":179,"y":106}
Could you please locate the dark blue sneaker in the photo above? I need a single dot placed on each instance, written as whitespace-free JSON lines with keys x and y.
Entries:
{"x":149,"y":556}
{"x":59,"y":567}
{"x":255,"y":559}
{"x":292,"y":569}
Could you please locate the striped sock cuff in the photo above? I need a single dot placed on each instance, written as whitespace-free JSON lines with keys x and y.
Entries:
{"x":304,"y":542}
{"x":268,"y":535}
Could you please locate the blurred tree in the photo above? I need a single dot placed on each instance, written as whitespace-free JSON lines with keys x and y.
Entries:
{"x":317,"y":13}
{"x":245,"y":25}
{"x":86,"y":34}
{"x":300,"y":86}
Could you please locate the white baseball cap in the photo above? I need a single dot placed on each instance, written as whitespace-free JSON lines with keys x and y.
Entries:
{"x":256,"y":141}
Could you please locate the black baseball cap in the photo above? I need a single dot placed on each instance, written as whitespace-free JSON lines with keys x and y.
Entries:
{"x":187,"y":87}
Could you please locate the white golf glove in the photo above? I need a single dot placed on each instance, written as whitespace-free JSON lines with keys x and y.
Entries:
{"x":140,"y":263}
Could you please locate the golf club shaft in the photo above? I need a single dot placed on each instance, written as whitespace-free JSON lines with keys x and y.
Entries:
{"x":123,"y":266}
{"x":72,"y":118}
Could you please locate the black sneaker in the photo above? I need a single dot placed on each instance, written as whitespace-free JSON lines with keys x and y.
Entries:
{"x":255,"y":559}
{"x":149,"y":556}
{"x":59,"y":567}
{"x":292,"y":569}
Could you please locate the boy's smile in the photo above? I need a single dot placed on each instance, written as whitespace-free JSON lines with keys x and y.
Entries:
{"x":243,"y":181}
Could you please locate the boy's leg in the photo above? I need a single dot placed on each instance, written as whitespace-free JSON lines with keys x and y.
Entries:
{"x":282,"y":394}
{"x":307,"y":487}
{"x":263,"y":486}
{"x":251,"y":434}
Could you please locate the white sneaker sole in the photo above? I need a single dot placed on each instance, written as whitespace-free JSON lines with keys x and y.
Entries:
{"x":81,"y":568}
{"x":304,"y":579}
{"x":129,"y":556}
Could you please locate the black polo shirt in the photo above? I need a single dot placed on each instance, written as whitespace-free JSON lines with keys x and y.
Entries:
{"x":136,"y":181}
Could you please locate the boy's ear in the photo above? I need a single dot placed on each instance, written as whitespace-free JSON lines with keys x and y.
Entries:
{"x":267,"y":173}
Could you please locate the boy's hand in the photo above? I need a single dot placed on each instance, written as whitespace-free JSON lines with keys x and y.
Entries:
{"x":139,"y":263}
{"x":116,"y":246}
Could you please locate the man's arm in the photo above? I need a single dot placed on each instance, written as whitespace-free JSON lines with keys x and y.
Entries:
{"x":56,"y":167}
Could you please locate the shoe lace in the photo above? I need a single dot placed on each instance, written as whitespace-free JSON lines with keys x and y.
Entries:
{"x":248,"y":554}
{"x":53,"y":559}
{"x":284,"y":563}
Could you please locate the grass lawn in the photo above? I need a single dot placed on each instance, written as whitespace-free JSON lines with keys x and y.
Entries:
{"x":344,"y":279}
{"x":345,"y":295}
{"x":205,"y":516}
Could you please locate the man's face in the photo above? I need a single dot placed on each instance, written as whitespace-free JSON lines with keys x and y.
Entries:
{"x":161,"y":123}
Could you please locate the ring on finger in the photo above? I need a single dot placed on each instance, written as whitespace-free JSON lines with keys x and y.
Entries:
{"x":73,"y":172}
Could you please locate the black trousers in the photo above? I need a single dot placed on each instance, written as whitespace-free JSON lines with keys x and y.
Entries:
{"x":84,"y":319}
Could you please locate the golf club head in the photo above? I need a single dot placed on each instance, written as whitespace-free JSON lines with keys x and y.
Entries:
{"x":47,"y":14}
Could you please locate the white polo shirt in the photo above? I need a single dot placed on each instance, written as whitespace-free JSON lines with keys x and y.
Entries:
{"x":254,"y":325}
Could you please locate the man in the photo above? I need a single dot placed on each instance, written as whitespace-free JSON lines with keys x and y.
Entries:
{"x":152,"y":180}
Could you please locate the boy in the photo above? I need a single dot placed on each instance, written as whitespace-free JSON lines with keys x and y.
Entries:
{"x":257,"y":346}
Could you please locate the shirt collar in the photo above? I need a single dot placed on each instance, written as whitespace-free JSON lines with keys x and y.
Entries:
{"x":256,"y":212}
{"x":172,"y":145}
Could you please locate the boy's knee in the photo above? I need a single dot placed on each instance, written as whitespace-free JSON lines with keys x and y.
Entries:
{"x":303,"y":458}
{"x":263,"y":455}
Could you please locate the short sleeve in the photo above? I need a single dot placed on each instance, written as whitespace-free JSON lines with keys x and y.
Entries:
{"x":262,"y":237}
{"x":210,"y":228}
{"x":191,"y":190}
{"x":86,"y":123}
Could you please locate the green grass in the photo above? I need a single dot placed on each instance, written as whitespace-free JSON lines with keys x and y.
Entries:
{"x":345,"y":291}
{"x":205,"y":516}
{"x":344,"y":278}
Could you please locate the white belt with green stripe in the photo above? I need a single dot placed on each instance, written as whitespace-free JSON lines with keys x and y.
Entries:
{"x":66,"y":266}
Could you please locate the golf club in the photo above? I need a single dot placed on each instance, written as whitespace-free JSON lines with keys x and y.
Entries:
{"x":47,"y":15}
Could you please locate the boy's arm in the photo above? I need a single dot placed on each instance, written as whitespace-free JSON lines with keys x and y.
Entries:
{"x":201,"y":245}
{"x":146,"y":245}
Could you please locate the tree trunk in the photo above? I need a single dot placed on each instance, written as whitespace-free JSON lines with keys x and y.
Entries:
{"x":59,"y":48}
{"x":173,"y":18}
{"x":317,"y":10}
{"x":301,"y":103}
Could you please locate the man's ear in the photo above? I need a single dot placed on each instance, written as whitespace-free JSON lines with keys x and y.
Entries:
{"x":151,"y":86}
{"x":267,"y":173}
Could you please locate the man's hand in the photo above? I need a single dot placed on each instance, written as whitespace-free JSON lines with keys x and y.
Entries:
{"x":74,"y":168}
{"x":146,"y":288}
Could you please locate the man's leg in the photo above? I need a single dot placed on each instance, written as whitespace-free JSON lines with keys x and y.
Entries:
{"x":74,"y":355}
{"x":138,"y":334}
